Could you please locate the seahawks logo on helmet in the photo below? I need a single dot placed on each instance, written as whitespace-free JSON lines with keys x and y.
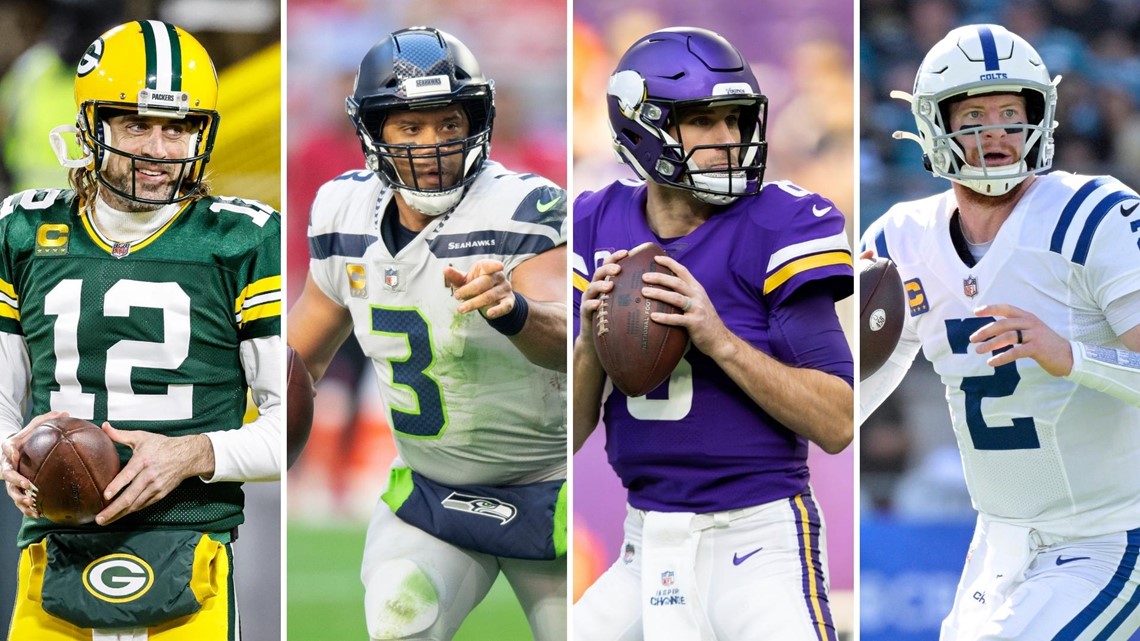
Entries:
{"x":481,"y":505}
{"x":91,"y":58}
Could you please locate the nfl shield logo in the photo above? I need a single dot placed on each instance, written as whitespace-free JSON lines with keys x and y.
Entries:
{"x":118,"y":250}
{"x":627,"y":557}
{"x":667,"y":578}
{"x":970,"y":286}
{"x":391,"y":277}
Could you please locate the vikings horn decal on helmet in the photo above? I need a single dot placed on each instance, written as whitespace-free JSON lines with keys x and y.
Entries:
{"x":667,"y":72}
{"x":974,"y":60}
{"x":149,"y":68}
{"x":422,"y":68}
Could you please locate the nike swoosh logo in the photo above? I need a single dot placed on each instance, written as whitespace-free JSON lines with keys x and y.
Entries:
{"x":737,"y":559}
{"x":819,"y":212}
{"x":545,"y":207}
{"x":1127,"y":211}
{"x":1062,"y":560}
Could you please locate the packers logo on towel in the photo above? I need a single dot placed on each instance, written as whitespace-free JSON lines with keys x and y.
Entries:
{"x":118,"y":578}
{"x":481,"y":505}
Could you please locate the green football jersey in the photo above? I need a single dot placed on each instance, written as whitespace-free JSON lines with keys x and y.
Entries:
{"x":144,"y":335}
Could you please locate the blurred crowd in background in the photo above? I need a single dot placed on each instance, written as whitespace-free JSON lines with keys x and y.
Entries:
{"x":41,"y":43}
{"x":910,"y":464}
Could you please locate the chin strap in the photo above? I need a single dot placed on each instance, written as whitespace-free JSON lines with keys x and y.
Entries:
{"x":60,"y":147}
{"x":1115,"y":372}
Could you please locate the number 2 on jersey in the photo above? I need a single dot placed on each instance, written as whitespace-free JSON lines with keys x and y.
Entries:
{"x":1022,"y":435}
{"x":428,"y":418}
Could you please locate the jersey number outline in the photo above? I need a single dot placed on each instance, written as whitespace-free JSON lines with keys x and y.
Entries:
{"x":1022,"y":434}
{"x":123,"y":404}
{"x":428,"y":419}
{"x":674,"y":405}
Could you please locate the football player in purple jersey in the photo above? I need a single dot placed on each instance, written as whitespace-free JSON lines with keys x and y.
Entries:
{"x":727,"y":541}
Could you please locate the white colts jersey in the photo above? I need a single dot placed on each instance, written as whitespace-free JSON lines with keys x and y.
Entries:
{"x":1038,"y":450}
{"x":464,"y":404}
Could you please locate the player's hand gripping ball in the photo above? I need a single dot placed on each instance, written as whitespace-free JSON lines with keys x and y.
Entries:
{"x":637,"y":353}
{"x":882,"y":308}
{"x":299,"y":415}
{"x":69,"y":461}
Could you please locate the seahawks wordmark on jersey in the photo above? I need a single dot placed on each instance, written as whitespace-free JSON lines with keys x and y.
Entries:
{"x":698,"y":442}
{"x":465,"y":405}
{"x":1038,"y":450}
{"x":146,"y":338}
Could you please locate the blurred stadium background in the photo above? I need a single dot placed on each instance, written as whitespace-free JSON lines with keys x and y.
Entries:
{"x":339,"y":478}
{"x":40,"y":45}
{"x":802,"y":54}
{"x":916,"y":519}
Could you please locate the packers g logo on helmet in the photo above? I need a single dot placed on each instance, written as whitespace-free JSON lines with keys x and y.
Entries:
{"x":91,"y":58}
{"x":118,"y":578}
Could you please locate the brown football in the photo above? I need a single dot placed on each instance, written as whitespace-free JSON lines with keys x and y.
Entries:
{"x":637,"y":353}
{"x":882,"y":309}
{"x":70,"y":461}
{"x":299,"y":407}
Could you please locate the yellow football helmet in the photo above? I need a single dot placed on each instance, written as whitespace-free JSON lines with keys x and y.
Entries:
{"x":154,"y":69}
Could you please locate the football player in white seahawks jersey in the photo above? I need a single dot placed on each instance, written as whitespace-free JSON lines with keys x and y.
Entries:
{"x":451,"y":270}
{"x":1024,"y":293}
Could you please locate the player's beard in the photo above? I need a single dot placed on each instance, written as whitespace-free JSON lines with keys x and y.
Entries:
{"x":120,"y":175}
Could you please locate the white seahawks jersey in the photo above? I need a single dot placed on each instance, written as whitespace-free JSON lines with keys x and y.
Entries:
{"x":1038,"y":450}
{"x":464,"y":404}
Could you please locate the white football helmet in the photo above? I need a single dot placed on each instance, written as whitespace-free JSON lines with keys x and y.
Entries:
{"x":973,"y":60}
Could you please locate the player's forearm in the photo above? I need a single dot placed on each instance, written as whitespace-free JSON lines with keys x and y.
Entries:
{"x":811,"y":403}
{"x":542,"y":339}
{"x":589,"y":381}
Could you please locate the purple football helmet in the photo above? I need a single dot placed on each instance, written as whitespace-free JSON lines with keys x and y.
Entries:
{"x":666,"y":72}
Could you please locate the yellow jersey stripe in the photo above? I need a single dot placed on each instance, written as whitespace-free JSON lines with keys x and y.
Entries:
{"x":813,"y":588}
{"x":8,"y":290}
{"x":267,"y":284}
{"x":580,"y":283}
{"x":7,"y":311}
{"x":782,"y":275}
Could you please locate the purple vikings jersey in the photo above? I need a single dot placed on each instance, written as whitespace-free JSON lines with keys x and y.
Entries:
{"x":698,"y":442}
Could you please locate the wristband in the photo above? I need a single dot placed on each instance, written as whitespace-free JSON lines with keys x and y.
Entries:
{"x":511,"y":323}
{"x":1115,"y":372}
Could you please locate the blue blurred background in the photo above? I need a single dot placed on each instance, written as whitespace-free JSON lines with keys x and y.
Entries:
{"x":915,"y":514}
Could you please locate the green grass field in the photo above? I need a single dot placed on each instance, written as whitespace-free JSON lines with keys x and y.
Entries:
{"x":326,"y":599}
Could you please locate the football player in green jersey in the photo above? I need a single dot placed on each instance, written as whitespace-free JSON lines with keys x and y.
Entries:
{"x":140,"y":302}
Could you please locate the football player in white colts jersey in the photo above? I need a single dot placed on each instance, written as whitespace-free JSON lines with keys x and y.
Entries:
{"x":1024,"y":293}
{"x":451,"y":271}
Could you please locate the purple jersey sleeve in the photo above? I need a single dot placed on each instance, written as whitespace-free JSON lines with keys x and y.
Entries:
{"x":806,"y":333}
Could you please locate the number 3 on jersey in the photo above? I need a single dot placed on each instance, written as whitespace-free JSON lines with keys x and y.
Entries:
{"x":1022,"y":435}
{"x":428,"y":417}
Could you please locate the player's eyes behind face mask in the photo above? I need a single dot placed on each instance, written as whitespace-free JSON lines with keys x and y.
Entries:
{"x":684,"y":70}
{"x":154,"y":70}
{"x":972,"y":63}
{"x":423,"y":69}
